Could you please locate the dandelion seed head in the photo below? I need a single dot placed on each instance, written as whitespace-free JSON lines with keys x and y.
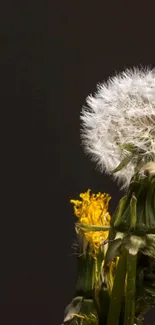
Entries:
{"x":122,"y":111}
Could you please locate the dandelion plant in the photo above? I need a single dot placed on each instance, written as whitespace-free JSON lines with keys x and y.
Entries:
{"x":116,"y":261}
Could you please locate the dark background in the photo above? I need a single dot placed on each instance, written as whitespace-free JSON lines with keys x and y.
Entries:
{"x":51,"y":57}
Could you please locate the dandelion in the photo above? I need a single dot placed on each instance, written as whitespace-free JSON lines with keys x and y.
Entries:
{"x":114,"y":286}
{"x":118,"y":124}
{"x":92,"y":210}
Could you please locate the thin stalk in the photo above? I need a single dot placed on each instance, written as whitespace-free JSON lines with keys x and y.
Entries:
{"x":117,"y":291}
{"x":85,"y":277}
{"x":130,"y":289}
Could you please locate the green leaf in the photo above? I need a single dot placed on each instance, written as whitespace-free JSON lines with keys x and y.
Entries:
{"x":113,"y":249}
{"x":119,"y":211}
{"x":135,"y":243}
{"x":125,"y":161}
{"x":151,"y":238}
{"x":129,"y":147}
{"x":149,"y":206}
{"x":133,"y":209}
{"x":87,"y":228}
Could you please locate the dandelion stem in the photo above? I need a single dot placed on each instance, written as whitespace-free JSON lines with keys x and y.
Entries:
{"x":117,"y":291}
{"x":130,"y":289}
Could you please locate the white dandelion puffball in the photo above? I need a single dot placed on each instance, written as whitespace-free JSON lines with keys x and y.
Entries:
{"x":119,"y":123}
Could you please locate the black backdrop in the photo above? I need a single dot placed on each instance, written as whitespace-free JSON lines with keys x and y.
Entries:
{"x":52,"y":56}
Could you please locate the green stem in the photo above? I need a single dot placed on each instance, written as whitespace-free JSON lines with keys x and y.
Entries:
{"x":130,"y":289}
{"x":85,"y":276}
{"x":117,"y":291}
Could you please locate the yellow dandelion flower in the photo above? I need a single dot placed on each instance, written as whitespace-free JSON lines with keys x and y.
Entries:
{"x":92,"y":210}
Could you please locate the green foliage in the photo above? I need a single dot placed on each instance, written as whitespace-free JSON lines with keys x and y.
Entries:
{"x":142,"y":193}
{"x":131,"y":247}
